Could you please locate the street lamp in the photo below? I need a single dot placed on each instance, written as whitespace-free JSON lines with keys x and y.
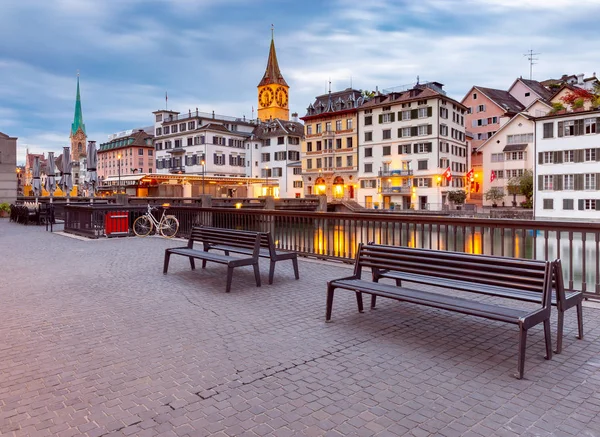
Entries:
{"x":203,"y":171}
{"x":439,"y":184}
{"x":267,"y":175}
{"x":119,"y":169}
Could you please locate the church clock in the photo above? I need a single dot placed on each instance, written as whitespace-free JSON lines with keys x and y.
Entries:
{"x":281,"y":97}
{"x":265,"y":97}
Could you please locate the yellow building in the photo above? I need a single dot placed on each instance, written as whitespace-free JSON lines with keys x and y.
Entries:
{"x":273,"y":96}
{"x":330,"y":147}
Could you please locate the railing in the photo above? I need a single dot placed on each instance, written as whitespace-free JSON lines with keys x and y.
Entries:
{"x":336,"y":235}
{"x":395,"y":173}
{"x":389,"y":189}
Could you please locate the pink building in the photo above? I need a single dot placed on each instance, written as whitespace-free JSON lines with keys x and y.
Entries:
{"x":125,"y":155}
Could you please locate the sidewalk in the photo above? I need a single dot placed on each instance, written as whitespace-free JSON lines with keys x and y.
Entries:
{"x":96,"y":341}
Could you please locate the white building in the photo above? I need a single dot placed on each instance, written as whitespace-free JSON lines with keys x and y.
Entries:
{"x":567,"y":182}
{"x":507,"y":154}
{"x":407,"y":140}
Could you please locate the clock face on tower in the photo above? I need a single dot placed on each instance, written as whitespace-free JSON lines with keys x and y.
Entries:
{"x":281,"y":97}
{"x":265,"y":97}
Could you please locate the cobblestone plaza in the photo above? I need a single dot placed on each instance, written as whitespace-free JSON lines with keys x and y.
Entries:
{"x":96,"y":341}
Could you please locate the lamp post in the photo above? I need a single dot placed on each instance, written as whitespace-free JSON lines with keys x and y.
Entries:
{"x":203,"y":171}
{"x":119,"y":170}
{"x":267,"y":175}
{"x":439,"y":184}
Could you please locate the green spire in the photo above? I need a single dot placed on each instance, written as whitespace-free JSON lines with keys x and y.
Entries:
{"x":78,"y":119}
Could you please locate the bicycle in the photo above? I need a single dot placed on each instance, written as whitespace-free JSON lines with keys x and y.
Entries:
{"x":168,"y":225}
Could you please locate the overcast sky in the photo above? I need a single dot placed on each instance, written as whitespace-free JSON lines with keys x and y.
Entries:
{"x":211,"y":54}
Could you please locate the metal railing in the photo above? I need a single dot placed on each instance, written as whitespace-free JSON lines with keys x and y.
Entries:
{"x":395,"y":173}
{"x":391,"y":189}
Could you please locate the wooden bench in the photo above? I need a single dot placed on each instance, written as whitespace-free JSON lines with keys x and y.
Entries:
{"x":438,"y":268}
{"x":267,"y":250}
{"x":209,"y":237}
{"x":537,"y":274}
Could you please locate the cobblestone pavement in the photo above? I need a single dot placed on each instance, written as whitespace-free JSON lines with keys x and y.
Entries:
{"x":96,"y":341}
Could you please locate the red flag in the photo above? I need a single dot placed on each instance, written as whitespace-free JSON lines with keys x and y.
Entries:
{"x":493,"y":176}
{"x":448,"y":174}
{"x":470,"y":174}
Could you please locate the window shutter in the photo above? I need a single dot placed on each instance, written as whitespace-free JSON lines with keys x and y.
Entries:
{"x":400,"y":150}
{"x":474,"y":123}
{"x":597,"y":204}
{"x":399,"y":115}
{"x":415,"y":148}
{"x":429,"y":129}
{"x":540,"y":182}
{"x":557,"y":183}
{"x":597,"y":181}
{"x":414,"y":131}
{"x":392,"y":117}
{"x":598,"y":125}
{"x":429,"y":182}
{"x":555,"y":157}
{"x":399,"y":132}
{"x":429,"y":147}
{"x":578,"y":156}
{"x":414,"y":113}
{"x":561,"y":128}
{"x":429,"y":111}
{"x":540,"y":157}
{"x":578,"y":182}
{"x":407,"y":148}
{"x":598,"y":153}
{"x":380,"y":118}
{"x":558,"y":157}
{"x":215,"y":159}
{"x":580,"y":204}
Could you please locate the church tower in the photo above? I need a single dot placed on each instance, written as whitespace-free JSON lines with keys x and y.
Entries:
{"x":273,"y":90}
{"x":78,"y":136}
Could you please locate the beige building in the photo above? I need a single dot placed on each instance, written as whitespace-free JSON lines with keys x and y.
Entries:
{"x":330,"y":147}
{"x":8,"y":168}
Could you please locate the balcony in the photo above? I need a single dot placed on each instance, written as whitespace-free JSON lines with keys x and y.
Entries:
{"x":383,"y":173}
{"x":328,"y":134}
{"x":394,"y":189}
{"x":327,"y":151}
{"x":177,"y":169}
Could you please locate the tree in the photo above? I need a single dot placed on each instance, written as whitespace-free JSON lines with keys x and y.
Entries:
{"x":525,"y":183}
{"x":457,"y":196}
{"x":494,"y":194}
{"x":575,"y":95}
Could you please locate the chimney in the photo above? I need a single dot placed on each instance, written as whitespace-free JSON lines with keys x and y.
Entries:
{"x":580,"y":79}
{"x":295,"y":117}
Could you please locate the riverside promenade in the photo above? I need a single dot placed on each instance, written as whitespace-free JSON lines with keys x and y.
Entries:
{"x":96,"y":341}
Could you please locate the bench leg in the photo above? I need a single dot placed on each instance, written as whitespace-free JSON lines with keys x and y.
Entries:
{"x":271,"y":271}
{"x":559,"y":330}
{"x":203,"y":263}
{"x":373,"y":301}
{"x":580,"y":320}
{"x":257,"y":275}
{"x":359,"y":302}
{"x":166,"y":266}
{"x":192,"y":263}
{"x":548,"y":338}
{"x":229,"y":278}
{"x":330,"y":290}
{"x":522,"y":347}
{"x":295,"y":264}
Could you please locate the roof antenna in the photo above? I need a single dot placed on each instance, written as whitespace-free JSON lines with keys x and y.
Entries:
{"x":530,"y":57}
{"x":417,"y":79}
{"x":272,"y":31}
{"x":329,"y":85}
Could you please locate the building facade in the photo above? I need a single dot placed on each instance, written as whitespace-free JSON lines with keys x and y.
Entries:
{"x":407,"y":142}
{"x":330,"y":147}
{"x":567,"y":176}
{"x":8,"y":168}
{"x":125,"y":154}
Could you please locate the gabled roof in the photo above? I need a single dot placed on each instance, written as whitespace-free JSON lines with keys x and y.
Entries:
{"x":272,"y":72}
{"x":214,"y":127}
{"x":278,"y":127}
{"x":536,"y":87}
{"x":563,"y":86}
{"x":509,"y":122}
{"x":503,"y":99}
{"x":339,"y":101}
{"x":3,"y":135}
{"x":543,"y":101}
{"x":419,"y":92}
{"x":135,"y":139}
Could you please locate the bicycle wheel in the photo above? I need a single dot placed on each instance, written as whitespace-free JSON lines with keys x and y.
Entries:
{"x":169,"y":227}
{"x":142,"y":226}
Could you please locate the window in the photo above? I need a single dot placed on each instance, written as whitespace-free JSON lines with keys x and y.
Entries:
{"x":338,"y":143}
{"x":547,"y":182}
{"x":319,"y":146}
{"x":547,"y":158}
{"x":405,"y":115}
{"x":319,"y":162}
{"x":280,"y":140}
{"x":265,"y":157}
{"x":548,"y":130}
{"x":519,"y":139}
{"x":174,"y":129}
{"x":568,"y":204}
{"x":338,"y":161}
{"x":166,"y":130}
{"x":309,"y":146}
{"x":497,"y":157}
{"x":368,"y":152}
{"x":590,"y":155}
{"x":548,"y":204}
{"x":568,"y":182}
{"x":422,"y":147}
{"x":158,"y":117}
{"x":141,"y":152}
{"x":386,"y":118}
{"x":190,"y":141}
{"x":297,"y":170}
{"x":569,"y":156}
{"x":590,"y":181}
{"x":422,"y":182}
{"x":368,"y":183}
{"x":280,"y":156}
{"x":590,"y":125}
{"x":404,"y":132}
{"x":422,"y":112}
{"x":297,"y":184}
{"x":319,"y":128}
{"x":349,"y":124}
{"x":182,"y":127}
{"x":474,"y":96}
{"x":349,"y":143}
{"x":569,"y":128}
{"x":293,"y":155}
{"x":368,"y":136}
{"x":422,"y":130}
{"x":587,"y":204}
{"x":308,"y":164}
{"x":515,"y":156}
{"x":191,"y":125}
{"x":368,"y":120}
{"x":444,"y":112}
{"x":177,"y":143}
{"x":219,"y":159}
{"x":277,"y":172}
{"x":309,"y":130}
{"x":387,"y":150}
{"x":338,"y":125}
{"x":387,"y":134}
{"x":369,"y":168}
{"x":158,"y":131}
{"x":328,"y":126}
{"x":349,"y":161}
{"x":422,"y":165}
{"x":481,"y":108}
{"x":443,"y":130}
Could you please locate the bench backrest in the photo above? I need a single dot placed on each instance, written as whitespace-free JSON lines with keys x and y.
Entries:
{"x":266,"y":241}
{"x":521,"y":274}
{"x":212,"y":236}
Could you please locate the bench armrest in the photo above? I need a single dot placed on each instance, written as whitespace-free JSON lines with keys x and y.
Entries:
{"x":343,"y":279}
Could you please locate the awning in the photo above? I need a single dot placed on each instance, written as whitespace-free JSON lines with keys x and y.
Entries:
{"x":176,"y":150}
{"x":515,"y":148}
{"x":123,"y":178}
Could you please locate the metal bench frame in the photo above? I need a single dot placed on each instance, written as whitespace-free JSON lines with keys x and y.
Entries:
{"x":537,"y":274}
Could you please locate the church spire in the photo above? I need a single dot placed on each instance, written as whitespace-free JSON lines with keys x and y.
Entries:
{"x":78,"y":119}
{"x":272,"y":73}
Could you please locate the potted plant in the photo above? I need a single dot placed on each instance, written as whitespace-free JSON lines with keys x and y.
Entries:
{"x":457,"y":197}
{"x":495,"y":195}
{"x":392,"y":206}
{"x":4,"y":209}
{"x":375,"y":205}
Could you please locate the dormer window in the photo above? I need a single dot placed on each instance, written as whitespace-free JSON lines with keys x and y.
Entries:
{"x":386,"y":108}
